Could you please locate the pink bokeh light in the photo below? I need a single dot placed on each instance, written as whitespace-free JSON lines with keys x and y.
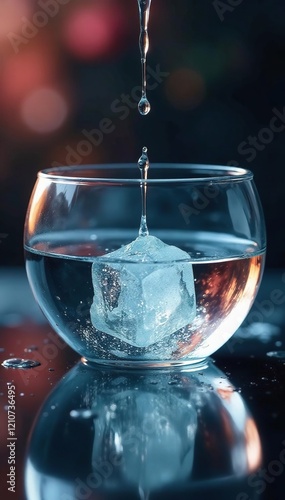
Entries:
{"x":94,"y":30}
{"x":25,"y":72}
{"x":24,"y":78}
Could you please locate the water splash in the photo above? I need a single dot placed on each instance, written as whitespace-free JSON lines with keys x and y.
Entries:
{"x":144,"y":10}
{"x":21,"y":364}
{"x":143,"y":164}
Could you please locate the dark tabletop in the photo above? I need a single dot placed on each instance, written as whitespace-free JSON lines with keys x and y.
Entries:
{"x":88,"y":433}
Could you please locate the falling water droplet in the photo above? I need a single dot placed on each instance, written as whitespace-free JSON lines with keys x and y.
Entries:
{"x":22,"y":364}
{"x":144,"y":10}
{"x":143,"y":164}
{"x":144,"y":106}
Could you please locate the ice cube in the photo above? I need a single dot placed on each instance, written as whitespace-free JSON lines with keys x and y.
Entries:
{"x":143,"y":292}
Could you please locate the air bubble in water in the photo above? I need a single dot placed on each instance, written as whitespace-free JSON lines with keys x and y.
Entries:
{"x":83,"y":414}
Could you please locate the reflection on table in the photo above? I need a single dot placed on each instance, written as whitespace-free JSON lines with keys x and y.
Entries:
{"x":109,"y":434}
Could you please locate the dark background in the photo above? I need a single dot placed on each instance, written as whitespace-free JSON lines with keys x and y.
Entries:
{"x":225,"y":83}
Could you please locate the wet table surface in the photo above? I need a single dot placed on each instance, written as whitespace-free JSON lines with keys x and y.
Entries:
{"x":73,"y":432}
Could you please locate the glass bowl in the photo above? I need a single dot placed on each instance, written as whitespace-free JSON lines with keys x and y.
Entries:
{"x":172,"y":297}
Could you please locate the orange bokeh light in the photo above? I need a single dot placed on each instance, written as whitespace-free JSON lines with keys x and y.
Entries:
{"x":11,"y":13}
{"x":185,"y":88}
{"x":44,"y":110}
{"x":34,"y":93}
{"x":24,"y":72}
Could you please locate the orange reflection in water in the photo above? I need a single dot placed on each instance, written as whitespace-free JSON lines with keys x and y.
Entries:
{"x":224,"y":294}
{"x":225,"y":393}
{"x":36,"y":208}
{"x":230,"y":282}
{"x":253,"y":445}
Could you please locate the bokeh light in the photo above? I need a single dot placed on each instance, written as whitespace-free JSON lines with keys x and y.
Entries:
{"x":25,"y":72}
{"x":94,"y":30}
{"x":11,"y":13}
{"x":185,"y":88}
{"x":224,"y":80}
{"x":44,"y":110}
{"x":23,"y":75}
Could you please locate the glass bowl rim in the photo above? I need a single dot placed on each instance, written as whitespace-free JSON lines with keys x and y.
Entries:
{"x":218,"y":174}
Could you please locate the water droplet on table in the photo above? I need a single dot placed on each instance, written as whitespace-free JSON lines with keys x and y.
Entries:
{"x":31,"y":348}
{"x":19,"y":363}
{"x":276,"y":354}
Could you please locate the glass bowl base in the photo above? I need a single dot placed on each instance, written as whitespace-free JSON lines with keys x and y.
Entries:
{"x":190,"y":364}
